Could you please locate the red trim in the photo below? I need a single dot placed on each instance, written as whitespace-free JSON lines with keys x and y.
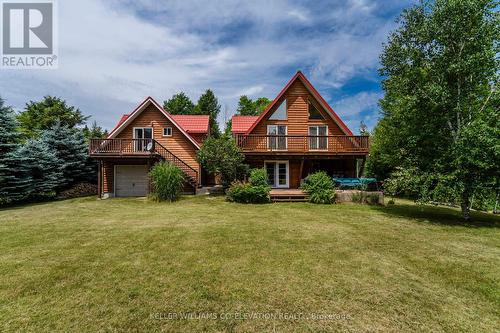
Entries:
{"x":315,"y":94}
{"x":142,"y":106}
{"x":329,"y":108}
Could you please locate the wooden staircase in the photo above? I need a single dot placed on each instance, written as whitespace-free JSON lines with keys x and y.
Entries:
{"x":165,"y":154}
{"x":288,"y":195}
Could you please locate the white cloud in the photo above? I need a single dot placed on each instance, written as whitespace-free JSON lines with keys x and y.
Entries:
{"x":353,"y":105}
{"x":111,"y":57}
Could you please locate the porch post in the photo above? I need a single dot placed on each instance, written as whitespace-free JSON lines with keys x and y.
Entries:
{"x":99,"y":179}
{"x":301,"y":169}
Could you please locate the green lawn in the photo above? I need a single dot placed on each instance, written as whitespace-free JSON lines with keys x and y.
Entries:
{"x":129,"y":264}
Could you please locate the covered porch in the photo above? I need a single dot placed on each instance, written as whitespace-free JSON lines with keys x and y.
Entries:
{"x":287,"y":171}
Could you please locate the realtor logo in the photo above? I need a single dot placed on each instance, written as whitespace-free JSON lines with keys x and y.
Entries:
{"x":28,"y":34}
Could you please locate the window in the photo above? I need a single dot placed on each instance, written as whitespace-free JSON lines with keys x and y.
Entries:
{"x":167,"y":131}
{"x":314,"y":113}
{"x":276,"y":139}
{"x":318,"y":139}
{"x":280,"y":113}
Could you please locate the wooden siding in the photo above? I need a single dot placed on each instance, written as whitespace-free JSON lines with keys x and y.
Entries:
{"x":199,"y":137}
{"x":108,"y":177}
{"x":178,"y":144}
{"x":297,"y":97}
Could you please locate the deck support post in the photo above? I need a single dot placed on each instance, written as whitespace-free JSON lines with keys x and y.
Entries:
{"x":99,"y":179}
{"x":301,"y":168}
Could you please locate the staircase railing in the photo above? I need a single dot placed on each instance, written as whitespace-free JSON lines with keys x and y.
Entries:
{"x":169,"y":156}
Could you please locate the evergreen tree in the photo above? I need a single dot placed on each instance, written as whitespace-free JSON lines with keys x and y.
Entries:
{"x":209,"y":105}
{"x":246,"y":107}
{"x":39,"y":116}
{"x":70,"y":148}
{"x":179,"y":104}
{"x":14,"y":177}
{"x":94,"y":132}
{"x":44,"y":168}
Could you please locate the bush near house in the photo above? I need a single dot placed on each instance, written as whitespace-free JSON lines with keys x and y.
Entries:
{"x":222,"y":156}
{"x":167,"y":182}
{"x":255,"y":191}
{"x":320,"y":188}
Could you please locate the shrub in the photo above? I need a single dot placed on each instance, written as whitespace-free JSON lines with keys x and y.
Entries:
{"x":167,"y":181}
{"x":247,"y":193}
{"x":391,"y":202}
{"x":364,"y":197}
{"x":258,"y":177}
{"x":358,"y":197}
{"x":320,"y":188}
{"x":222,"y":156}
{"x":373,"y":199}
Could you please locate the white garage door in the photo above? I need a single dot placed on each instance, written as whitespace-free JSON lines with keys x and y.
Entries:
{"x":131,"y":180}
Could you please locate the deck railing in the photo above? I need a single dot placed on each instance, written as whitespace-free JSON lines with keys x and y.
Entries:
{"x":139,"y":147}
{"x":303,"y":143}
{"x":120,"y":146}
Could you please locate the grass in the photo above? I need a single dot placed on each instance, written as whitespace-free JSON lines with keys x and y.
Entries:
{"x":133,"y":265}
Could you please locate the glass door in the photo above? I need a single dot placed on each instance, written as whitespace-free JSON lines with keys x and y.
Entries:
{"x":277,"y":139}
{"x":143,"y":136}
{"x":318,"y":137}
{"x":277,"y":174}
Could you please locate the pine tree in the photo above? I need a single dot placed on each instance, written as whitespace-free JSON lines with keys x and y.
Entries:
{"x":209,"y":105}
{"x":94,"y":132}
{"x":246,"y":107}
{"x":179,"y":104}
{"x":70,"y":148}
{"x":44,"y":167}
{"x":14,"y":177}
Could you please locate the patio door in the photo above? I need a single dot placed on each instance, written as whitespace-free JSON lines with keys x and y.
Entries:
{"x":278,"y":173}
{"x":145,"y":136}
{"x":318,"y":139}
{"x":276,"y":139}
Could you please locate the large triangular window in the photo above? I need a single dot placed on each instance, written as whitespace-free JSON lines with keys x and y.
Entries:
{"x":314,"y":113}
{"x":280,"y":113}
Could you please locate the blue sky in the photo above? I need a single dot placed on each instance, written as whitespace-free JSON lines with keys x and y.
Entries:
{"x":112,"y":54}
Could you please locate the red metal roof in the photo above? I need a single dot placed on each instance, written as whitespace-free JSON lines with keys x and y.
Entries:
{"x":189,"y":123}
{"x":314,"y":92}
{"x":241,"y":124}
{"x":121,"y":121}
{"x":193,"y":123}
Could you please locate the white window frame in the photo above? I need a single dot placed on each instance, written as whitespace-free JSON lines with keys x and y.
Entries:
{"x":276,"y":137}
{"x":317,"y":137}
{"x":136,"y":149}
{"x":276,"y":172}
{"x":167,"y":128}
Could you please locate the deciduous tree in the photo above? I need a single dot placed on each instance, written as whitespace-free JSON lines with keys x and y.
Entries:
{"x":42,"y":115}
{"x":440,"y":112}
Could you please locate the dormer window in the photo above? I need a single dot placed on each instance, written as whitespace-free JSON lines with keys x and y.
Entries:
{"x":280,"y":113}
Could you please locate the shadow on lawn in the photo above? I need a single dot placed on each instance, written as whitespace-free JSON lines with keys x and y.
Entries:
{"x":440,"y":215}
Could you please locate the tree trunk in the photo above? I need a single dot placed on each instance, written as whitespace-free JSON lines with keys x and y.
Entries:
{"x":465,"y":205}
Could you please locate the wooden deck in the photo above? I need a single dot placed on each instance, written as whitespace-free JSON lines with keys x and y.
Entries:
{"x":303,"y":144}
{"x":288,"y":195}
